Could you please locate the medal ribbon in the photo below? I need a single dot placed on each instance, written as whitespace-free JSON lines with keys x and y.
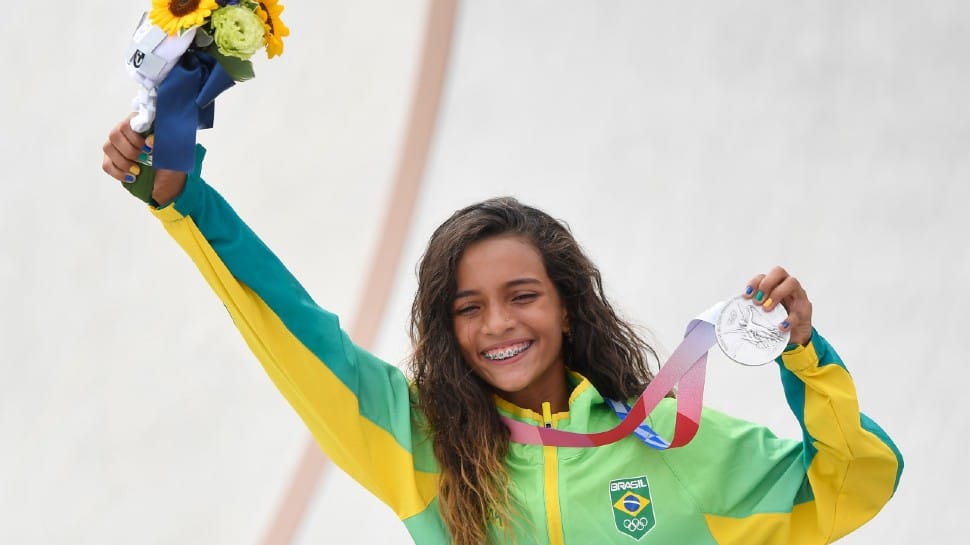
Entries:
{"x":644,"y":433}
{"x":685,"y":367}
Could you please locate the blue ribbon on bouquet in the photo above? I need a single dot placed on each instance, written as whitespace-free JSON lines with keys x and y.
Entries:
{"x":186,"y":103}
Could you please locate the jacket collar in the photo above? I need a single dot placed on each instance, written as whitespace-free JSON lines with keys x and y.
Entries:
{"x":581,"y":399}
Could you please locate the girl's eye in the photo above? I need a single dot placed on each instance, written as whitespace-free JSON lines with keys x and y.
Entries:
{"x":466,"y":310}
{"x":525,"y":297}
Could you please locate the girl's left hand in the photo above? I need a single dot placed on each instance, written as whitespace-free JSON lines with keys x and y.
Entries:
{"x":780,"y":288}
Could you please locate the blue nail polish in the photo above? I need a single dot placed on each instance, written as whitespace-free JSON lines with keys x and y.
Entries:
{"x":748,"y":290}
{"x":785,"y":324}
{"x":129,"y":178}
{"x":146,"y":149}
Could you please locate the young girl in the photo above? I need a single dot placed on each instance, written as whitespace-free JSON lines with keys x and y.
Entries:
{"x":510,"y":319}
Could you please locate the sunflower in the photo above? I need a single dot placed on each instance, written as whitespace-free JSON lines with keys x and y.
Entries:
{"x":270,"y":11}
{"x":175,"y":15}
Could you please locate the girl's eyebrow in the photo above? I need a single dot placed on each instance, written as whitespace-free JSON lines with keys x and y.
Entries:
{"x":522,"y":281}
{"x":510,"y":284}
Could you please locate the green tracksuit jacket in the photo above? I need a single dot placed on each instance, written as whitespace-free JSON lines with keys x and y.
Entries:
{"x":735,"y":483}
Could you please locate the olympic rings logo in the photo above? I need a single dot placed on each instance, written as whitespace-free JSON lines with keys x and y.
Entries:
{"x":637,"y":524}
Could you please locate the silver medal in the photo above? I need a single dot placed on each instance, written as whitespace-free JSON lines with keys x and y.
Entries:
{"x":749,"y":335}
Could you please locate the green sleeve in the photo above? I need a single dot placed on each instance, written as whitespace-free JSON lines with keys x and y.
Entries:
{"x":357,"y":407}
{"x":757,"y":488}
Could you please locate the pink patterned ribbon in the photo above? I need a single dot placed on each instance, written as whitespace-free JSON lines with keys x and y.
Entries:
{"x":685,"y":367}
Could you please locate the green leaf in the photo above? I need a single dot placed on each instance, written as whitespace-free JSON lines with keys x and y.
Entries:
{"x":238,"y":69}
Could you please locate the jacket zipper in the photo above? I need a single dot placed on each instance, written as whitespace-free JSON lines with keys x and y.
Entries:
{"x":551,"y":474}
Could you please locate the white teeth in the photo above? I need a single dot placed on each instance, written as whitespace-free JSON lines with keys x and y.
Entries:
{"x":507,"y":353}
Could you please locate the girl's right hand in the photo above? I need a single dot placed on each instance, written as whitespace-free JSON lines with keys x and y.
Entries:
{"x":121,"y":151}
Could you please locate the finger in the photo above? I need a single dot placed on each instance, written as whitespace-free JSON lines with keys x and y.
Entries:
{"x":126,"y":143}
{"x":770,"y":281}
{"x":782,"y":294}
{"x":799,"y":324}
{"x":114,"y":158}
{"x":116,"y":165}
{"x":751,"y":289}
{"x":143,"y":143}
{"x":123,"y":171}
{"x":790,"y":322}
{"x":112,"y":169}
{"x":799,"y":320}
{"x":123,"y":150}
{"x":800,"y":309}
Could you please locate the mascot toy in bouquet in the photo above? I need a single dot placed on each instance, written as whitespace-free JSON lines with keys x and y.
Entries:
{"x":183,"y":54}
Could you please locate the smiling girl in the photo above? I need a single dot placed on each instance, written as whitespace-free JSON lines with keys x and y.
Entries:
{"x":510,"y":319}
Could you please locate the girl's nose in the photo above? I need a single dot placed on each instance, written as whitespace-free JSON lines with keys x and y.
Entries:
{"x":497,"y":320}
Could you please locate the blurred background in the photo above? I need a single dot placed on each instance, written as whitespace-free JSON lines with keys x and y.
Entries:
{"x":689,"y":145}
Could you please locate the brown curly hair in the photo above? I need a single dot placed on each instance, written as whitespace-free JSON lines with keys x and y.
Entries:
{"x":470,"y":442}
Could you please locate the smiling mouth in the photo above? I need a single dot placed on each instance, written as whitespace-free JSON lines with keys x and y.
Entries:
{"x":507,"y":352}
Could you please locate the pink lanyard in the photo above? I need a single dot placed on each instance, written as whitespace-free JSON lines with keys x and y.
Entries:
{"x":685,"y":367}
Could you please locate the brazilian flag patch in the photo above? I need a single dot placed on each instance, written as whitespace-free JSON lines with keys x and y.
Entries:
{"x":632,"y":506}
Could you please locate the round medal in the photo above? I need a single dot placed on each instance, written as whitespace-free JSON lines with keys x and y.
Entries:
{"x":749,"y":335}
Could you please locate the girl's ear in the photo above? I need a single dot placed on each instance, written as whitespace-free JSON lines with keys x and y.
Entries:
{"x":567,"y":330}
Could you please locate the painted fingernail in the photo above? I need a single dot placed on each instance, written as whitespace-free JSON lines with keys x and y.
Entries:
{"x":767,"y":302}
{"x":759,"y":296}
{"x":748,"y":290}
{"x":135,"y":169}
{"x":143,"y":158}
{"x":785,"y":324}
{"x":129,"y":178}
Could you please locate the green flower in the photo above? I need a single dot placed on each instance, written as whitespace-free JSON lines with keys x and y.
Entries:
{"x":238,"y":31}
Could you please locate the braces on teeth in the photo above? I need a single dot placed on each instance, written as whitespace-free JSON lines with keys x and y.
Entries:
{"x":507,"y":353}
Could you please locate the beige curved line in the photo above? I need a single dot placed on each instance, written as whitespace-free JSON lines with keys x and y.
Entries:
{"x":400,"y":208}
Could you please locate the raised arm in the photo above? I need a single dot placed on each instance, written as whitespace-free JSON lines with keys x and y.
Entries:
{"x":357,"y":407}
{"x":757,"y":488}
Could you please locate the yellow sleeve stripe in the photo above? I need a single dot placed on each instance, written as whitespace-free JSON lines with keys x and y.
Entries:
{"x":851,"y":469}
{"x":853,"y":473}
{"x":766,"y":528}
{"x":361,"y":448}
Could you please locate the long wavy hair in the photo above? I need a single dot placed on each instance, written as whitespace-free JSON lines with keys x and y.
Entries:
{"x":470,"y":442}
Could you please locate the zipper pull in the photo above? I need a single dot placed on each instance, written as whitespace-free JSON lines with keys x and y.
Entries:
{"x":547,"y":414}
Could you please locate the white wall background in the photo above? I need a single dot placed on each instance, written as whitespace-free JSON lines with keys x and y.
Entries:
{"x":690,"y":145}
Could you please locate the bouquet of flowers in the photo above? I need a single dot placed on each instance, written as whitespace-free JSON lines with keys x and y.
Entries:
{"x":183,"y":54}
{"x":230,"y":30}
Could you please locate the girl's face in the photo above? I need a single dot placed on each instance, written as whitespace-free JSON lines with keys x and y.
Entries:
{"x":509,"y":322}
